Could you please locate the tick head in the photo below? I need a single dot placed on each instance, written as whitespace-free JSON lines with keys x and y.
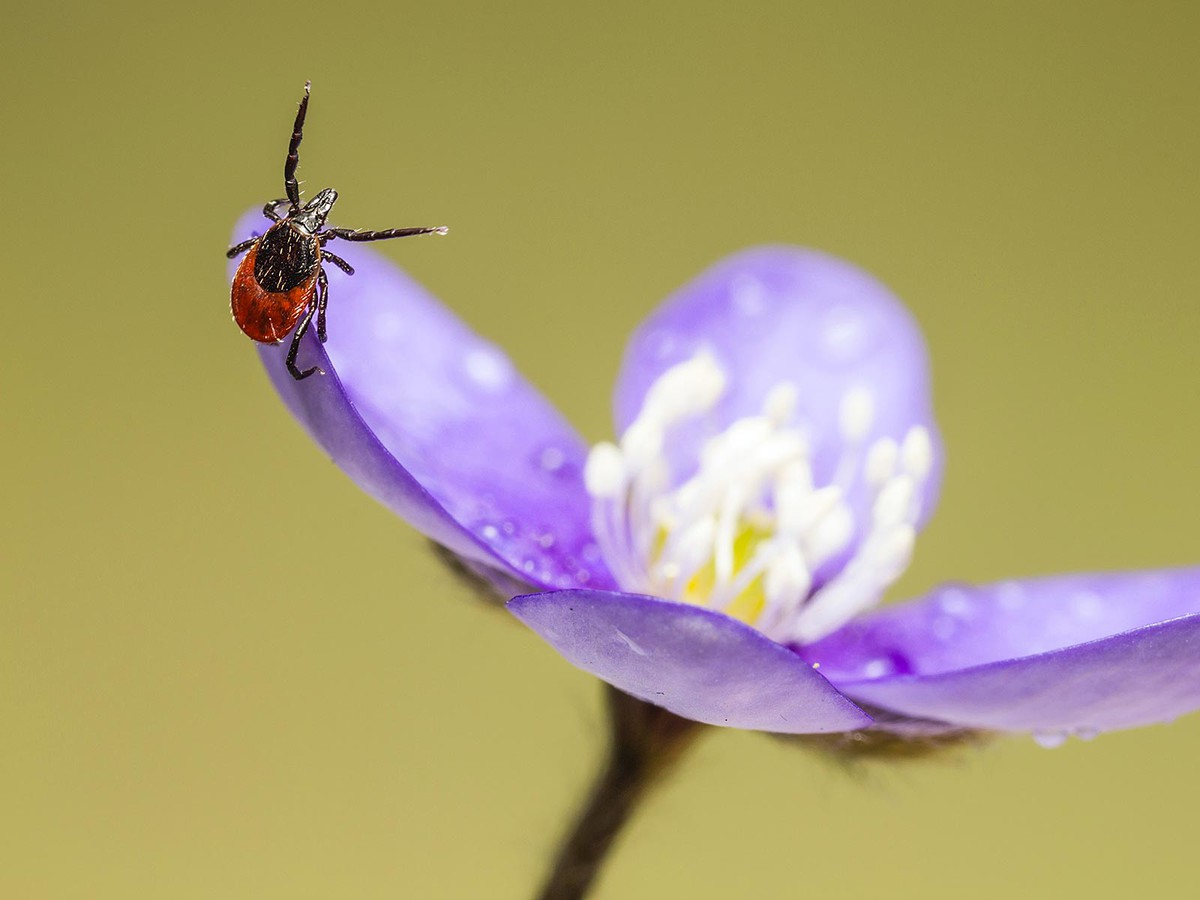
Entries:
{"x":315,"y":211}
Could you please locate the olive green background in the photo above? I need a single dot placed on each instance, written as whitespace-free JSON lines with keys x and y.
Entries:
{"x":227,"y":673}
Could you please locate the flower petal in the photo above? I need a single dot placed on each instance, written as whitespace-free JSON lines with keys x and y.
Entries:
{"x":437,"y":424}
{"x":785,"y":314}
{"x":695,"y":662}
{"x":1073,"y":653}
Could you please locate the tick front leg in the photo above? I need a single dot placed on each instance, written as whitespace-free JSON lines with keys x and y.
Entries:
{"x":240,"y":248}
{"x":350,"y":234}
{"x":295,"y":348}
{"x":271,"y":210}
{"x":337,"y":261}
{"x":322,"y":301}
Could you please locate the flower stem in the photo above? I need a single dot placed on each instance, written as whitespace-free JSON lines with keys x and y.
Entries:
{"x":645,"y":741}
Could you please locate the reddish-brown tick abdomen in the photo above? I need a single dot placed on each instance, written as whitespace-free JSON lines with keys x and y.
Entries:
{"x":267,"y":316}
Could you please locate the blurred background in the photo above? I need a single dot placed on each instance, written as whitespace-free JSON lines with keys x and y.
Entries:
{"x":199,"y":703}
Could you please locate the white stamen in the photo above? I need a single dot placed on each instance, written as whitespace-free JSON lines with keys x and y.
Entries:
{"x":916,"y":453}
{"x":749,"y":528}
{"x":781,"y":402}
{"x":604,"y":473}
{"x":829,"y":534}
{"x":881,"y":461}
{"x":893,"y":505}
{"x":856,"y":414}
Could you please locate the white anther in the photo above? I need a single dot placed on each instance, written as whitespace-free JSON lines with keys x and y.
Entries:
{"x":894,"y":504}
{"x":785,"y":586}
{"x":604,"y":473}
{"x":916,"y":453}
{"x":856,"y":414}
{"x":895,"y":553}
{"x":642,"y":443}
{"x":690,"y":548}
{"x":686,"y":388}
{"x":799,"y":510}
{"x":881,"y":461}
{"x":830,"y":534}
{"x":780,"y":404}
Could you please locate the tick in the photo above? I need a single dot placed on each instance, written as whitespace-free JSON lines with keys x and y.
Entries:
{"x":281,"y":283}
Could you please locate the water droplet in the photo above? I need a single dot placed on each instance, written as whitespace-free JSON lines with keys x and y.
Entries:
{"x":552,"y":459}
{"x":490,"y":532}
{"x":528,"y":566}
{"x":509,"y":528}
{"x":1011,"y":595}
{"x":877,"y":668}
{"x":748,"y":296}
{"x":488,"y":368}
{"x":956,"y":603}
{"x":1050,"y":739}
{"x":546,"y":540}
{"x":1086,"y":605}
{"x":844,"y":334}
{"x":662,"y":344}
{"x":583,"y":576}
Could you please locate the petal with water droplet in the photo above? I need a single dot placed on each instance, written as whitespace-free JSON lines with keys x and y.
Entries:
{"x":436,"y":423}
{"x":695,"y":662}
{"x":1068,"y":654}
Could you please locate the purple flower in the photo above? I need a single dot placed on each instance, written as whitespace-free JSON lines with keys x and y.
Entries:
{"x":778,"y":454}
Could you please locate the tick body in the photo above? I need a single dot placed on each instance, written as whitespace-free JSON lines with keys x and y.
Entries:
{"x":281,"y":284}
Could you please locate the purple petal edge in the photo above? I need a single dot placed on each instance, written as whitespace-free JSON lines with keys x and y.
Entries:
{"x":695,"y":662}
{"x":1074,"y":654}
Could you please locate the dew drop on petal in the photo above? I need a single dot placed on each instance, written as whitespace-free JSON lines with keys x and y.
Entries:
{"x":747,"y":296}
{"x":488,"y":369}
{"x":1086,"y":605}
{"x":551,"y":459}
{"x":1011,"y":595}
{"x":877,"y":668}
{"x":844,"y":334}
{"x":956,"y":603}
{"x":1049,"y":739}
{"x":662,"y":344}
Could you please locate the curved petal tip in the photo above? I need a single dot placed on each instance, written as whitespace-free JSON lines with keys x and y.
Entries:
{"x":694,"y":662}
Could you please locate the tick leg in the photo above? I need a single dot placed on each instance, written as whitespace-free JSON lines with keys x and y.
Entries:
{"x":240,"y":248}
{"x":295,"y":348}
{"x":271,"y":210}
{"x":322,"y":302}
{"x":337,"y":261}
{"x":293,"y":158}
{"x":350,"y":234}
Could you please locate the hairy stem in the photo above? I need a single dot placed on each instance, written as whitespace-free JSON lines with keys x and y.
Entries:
{"x":645,"y":741}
